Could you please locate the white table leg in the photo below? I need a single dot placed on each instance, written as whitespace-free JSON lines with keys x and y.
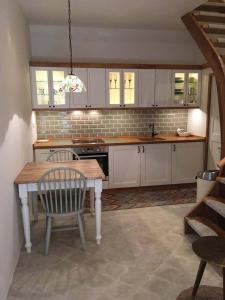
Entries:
{"x":98,"y":210}
{"x":23,"y":194}
{"x":92,"y":200}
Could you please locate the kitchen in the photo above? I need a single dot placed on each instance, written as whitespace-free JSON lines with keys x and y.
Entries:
{"x":142,"y":113}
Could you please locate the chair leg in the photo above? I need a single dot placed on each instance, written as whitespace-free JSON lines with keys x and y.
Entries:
{"x":35,"y":205}
{"x":198,"y":279}
{"x":92,"y":201}
{"x":48,"y":234}
{"x":81,"y":230}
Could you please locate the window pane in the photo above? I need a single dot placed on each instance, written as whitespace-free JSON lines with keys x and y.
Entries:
{"x":129,"y":87}
{"x":179,"y":88}
{"x":42,"y":99}
{"x":114,"y":88}
{"x":41,"y":76}
{"x":59,"y":97}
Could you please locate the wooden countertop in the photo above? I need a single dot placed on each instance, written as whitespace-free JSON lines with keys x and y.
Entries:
{"x":34,"y":170}
{"x":113,"y":141}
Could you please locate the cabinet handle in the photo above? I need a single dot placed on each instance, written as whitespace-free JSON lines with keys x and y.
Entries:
{"x":120,"y":105}
{"x":143,"y":149}
{"x":153,"y":105}
{"x":53,"y":106}
{"x":219,"y":148}
{"x":139,"y":150}
{"x":174,"y":148}
{"x":52,"y":150}
{"x":124,"y":105}
{"x":49,"y":106}
{"x":89,"y":105}
{"x":86,"y":106}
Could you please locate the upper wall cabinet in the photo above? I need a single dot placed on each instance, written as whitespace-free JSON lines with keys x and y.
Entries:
{"x":186,"y":88}
{"x":46,"y":84}
{"x":121,"y":88}
{"x":146,"y":88}
{"x":163,"y":84}
{"x":96,"y":88}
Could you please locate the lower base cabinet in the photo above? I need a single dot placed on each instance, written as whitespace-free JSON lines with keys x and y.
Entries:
{"x":187,"y":160}
{"x":154,"y":164}
{"x":124,"y":166}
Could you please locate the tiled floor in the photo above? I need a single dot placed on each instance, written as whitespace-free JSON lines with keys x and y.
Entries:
{"x":143,"y":256}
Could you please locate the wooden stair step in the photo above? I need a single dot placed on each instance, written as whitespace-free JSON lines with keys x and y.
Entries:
{"x":199,"y":226}
{"x":210,"y":19}
{"x":204,"y":226}
{"x":218,"y":44}
{"x":214,"y":30}
{"x":221,"y":179}
{"x":212,"y":8}
{"x":217,"y":204}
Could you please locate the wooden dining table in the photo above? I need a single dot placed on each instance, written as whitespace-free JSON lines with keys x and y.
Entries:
{"x":32,"y":171}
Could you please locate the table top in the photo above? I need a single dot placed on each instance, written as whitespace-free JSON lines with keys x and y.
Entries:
{"x":32,"y":171}
{"x":211,"y":249}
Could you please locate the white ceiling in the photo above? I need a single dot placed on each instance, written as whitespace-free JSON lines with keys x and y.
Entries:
{"x":139,"y":14}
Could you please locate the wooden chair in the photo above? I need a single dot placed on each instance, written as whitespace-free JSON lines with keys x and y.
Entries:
{"x":62,"y":192}
{"x":62,"y":155}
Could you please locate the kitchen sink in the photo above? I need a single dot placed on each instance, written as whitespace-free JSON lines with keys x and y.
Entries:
{"x":87,"y":141}
{"x":149,"y":139}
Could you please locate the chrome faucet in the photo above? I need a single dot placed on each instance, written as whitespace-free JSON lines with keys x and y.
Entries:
{"x":152,"y":127}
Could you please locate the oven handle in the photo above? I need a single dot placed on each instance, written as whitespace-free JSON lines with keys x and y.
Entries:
{"x":93,"y":156}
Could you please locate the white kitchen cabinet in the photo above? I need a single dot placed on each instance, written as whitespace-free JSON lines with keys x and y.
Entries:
{"x":187,"y":160}
{"x":146,"y":88}
{"x":121,"y":88}
{"x":186,"y":88}
{"x":96,"y":88}
{"x":156,"y":164}
{"x":42,"y":154}
{"x":163,"y":88}
{"x":80,"y":100}
{"x":46,"y":83}
{"x":124,"y":166}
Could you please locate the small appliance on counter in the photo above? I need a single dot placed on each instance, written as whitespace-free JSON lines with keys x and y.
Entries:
{"x":181,"y":132}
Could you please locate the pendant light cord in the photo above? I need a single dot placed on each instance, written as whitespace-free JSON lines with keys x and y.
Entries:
{"x":70,"y":38}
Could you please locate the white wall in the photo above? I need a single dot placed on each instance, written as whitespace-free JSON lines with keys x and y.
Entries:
{"x":118,"y":45}
{"x":15,"y":132}
{"x":197,"y":118}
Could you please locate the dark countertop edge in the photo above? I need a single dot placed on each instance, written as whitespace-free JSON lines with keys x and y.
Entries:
{"x":172,"y":140}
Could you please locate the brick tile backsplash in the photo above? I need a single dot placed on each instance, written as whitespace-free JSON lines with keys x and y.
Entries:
{"x":67,"y":124}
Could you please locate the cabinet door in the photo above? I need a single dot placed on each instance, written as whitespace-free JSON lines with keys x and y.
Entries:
{"x":179,"y":81}
{"x":193,"y":88}
{"x":187,"y":160}
{"x":163,"y":88}
{"x":130,"y":88}
{"x":43,"y":154}
{"x":41,"y":93}
{"x":113,"y":88}
{"x":156,"y":164}
{"x":146,"y":88}
{"x":124,"y":166}
{"x":96,"y":88}
{"x":59,"y":99}
{"x":80,"y":100}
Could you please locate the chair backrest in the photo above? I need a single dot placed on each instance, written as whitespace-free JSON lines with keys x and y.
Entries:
{"x":62,"y":155}
{"x":62,"y":191}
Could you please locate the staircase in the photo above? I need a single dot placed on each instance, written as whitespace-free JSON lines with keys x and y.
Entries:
{"x":207,"y":26}
{"x":208,"y":217}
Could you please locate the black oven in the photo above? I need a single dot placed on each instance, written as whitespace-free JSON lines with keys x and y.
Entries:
{"x":98,"y":153}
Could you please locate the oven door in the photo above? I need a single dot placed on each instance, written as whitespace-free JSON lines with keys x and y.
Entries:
{"x":102,"y":159}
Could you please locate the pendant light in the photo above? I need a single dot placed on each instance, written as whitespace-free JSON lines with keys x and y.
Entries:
{"x":72,"y":83}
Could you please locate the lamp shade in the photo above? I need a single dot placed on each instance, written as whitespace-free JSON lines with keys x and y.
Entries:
{"x":72,"y":83}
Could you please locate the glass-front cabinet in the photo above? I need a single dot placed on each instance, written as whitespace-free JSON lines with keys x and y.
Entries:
{"x":186,"y":88}
{"x":122,"y":88}
{"x":46,"y":83}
